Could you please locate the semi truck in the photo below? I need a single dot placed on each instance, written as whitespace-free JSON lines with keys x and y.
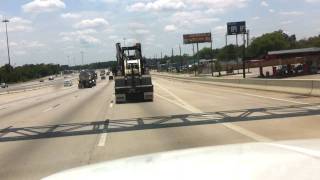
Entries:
{"x":86,"y":79}
{"x":132,"y":79}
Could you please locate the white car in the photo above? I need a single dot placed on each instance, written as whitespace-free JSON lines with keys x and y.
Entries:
{"x":4,"y":85}
{"x":67,"y":83}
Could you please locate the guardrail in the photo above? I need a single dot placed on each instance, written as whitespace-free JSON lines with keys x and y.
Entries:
{"x":302,"y":87}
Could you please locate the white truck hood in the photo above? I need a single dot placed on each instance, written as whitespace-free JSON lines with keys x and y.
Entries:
{"x":276,"y":160}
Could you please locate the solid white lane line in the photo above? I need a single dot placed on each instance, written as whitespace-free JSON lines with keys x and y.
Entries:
{"x":102,"y":140}
{"x":247,"y":133}
{"x":182,"y":102}
{"x":231,"y":126}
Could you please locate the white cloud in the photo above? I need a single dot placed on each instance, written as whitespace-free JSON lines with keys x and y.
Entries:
{"x":83,"y":36}
{"x":271,"y":10}
{"x":170,"y":28}
{"x":18,"y":24}
{"x":256,"y":18}
{"x":191,"y":18}
{"x":88,"y":40}
{"x":291,"y":13}
{"x":219,"y":29}
{"x":113,"y":37}
{"x":312,"y":1}
{"x":157,"y":5}
{"x":24,"y":44}
{"x":137,"y":29}
{"x":165,"y":5}
{"x":92,"y":23}
{"x":131,"y":41}
{"x":264,"y":3}
{"x":31,"y":44}
{"x":70,"y":16}
{"x":286,"y":22}
{"x":39,"y":6}
{"x":109,"y":1}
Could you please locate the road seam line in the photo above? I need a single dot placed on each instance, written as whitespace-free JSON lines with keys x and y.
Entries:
{"x":231,"y":126}
{"x":51,"y":108}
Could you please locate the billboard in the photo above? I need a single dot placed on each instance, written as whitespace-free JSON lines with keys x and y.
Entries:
{"x":196,"y":38}
{"x":236,"y":28}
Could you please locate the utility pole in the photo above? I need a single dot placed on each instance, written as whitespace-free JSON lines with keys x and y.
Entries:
{"x":194,"y":61}
{"x":226,"y":39}
{"x":171,"y":57}
{"x":237,"y":53}
{"x":74,"y":61}
{"x":198,"y":57}
{"x":68,"y":60}
{"x":180,"y":58}
{"x":6,"y":21}
{"x":243,"y":57}
{"x":82,"y":57}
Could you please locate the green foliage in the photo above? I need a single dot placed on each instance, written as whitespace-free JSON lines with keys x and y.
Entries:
{"x":27,"y":72}
{"x":205,"y":53}
{"x":310,"y":42}
{"x":277,"y":40}
{"x":228,"y":53}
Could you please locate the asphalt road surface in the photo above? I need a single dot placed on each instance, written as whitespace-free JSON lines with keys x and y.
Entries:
{"x":53,"y":129}
{"x":57,"y":82}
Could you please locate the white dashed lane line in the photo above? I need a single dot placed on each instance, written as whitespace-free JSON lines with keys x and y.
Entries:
{"x":51,"y":108}
{"x":104,"y":135}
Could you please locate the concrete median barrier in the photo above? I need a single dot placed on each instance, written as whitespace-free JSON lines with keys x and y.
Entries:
{"x":302,"y":87}
{"x":316,"y":88}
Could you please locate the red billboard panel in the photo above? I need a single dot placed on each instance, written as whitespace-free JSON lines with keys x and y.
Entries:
{"x":196,"y":38}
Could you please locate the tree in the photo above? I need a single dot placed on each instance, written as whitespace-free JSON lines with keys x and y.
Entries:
{"x":310,"y":42}
{"x":205,"y":53}
{"x":228,"y":53}
{"x":277,"y":40}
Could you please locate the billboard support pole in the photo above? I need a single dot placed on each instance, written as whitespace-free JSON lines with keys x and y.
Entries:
{"x":198,"y":58}
{"x":226,"y":39}
{"x":194,"y":61}
{"x":237,"y":53}
{"x":243,"y":57}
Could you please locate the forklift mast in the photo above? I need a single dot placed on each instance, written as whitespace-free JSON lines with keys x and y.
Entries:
{"x":123,"y":54}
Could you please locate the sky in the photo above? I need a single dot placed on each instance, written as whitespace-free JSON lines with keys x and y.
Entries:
{"x":56,"y":31}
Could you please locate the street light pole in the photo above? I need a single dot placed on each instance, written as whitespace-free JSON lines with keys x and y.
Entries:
{"x":68,"y":60}
{"x":6,"y":21}
{"x":81,"y":57}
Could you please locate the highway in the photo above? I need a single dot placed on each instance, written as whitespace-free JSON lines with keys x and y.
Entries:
{"x":35,"y":84}
{"x":57,"y":128}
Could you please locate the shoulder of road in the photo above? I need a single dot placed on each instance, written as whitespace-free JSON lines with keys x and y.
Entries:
{"x":309,"y":87}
